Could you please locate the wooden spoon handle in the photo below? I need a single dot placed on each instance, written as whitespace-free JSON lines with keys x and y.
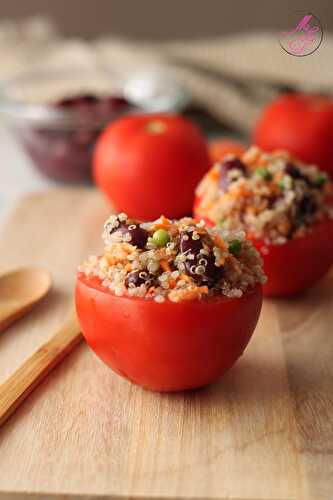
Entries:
{"x":22,"y":382}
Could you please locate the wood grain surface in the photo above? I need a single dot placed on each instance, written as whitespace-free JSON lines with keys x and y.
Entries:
{"x":265,"y":431}
{"x":35,"y":369}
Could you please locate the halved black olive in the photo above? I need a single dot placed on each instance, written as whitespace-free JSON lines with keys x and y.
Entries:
{"x":226,"y":166}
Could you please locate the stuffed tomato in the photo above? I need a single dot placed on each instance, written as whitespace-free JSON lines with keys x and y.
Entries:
{"x":282,"y":205}
{"x":170,"y":305}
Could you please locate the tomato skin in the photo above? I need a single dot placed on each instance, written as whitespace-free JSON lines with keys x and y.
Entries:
{"x":147,"y":169}
{"x":300,"y":263}
{"x":301,"y":124}
{"x":168,"y":346}
{"x":219,"y":148}
{"x":297,"y":264}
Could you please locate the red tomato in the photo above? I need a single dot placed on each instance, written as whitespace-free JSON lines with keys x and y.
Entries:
{"x":219,"y":148}
{"x":300,"y":123}
{"x":150,"y":164}
{"x":297,"y":264}
{"x":168,"y":346}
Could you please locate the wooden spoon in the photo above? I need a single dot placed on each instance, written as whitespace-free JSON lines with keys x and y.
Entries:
{"x":20,"y":290}
{"x":19,"y":385}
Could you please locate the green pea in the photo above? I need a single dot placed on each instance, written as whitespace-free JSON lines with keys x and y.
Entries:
{"x":320,"y":180}
{"x":281,"y":185}
{"x":161,"y":237}
{"x":235,"y":247}
{"x":264,"y":173}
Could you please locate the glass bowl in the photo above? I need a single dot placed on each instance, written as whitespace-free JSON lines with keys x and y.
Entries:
{"x":58,"y":115}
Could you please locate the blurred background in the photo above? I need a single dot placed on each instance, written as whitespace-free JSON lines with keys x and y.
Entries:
{"x":218,"y":62}
{"x":159,"y":20}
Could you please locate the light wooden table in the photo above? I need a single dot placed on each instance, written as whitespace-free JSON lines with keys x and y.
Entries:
{"x":264,"y":432}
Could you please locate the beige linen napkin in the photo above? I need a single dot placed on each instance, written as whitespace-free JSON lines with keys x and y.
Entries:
{"x":230,"y":77}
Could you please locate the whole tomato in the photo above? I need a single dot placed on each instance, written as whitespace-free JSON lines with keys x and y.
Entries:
{"x":169,"y":346}
{"x":219,"y":148}
{"x":150,"y":164}
{"x":300,"y":123}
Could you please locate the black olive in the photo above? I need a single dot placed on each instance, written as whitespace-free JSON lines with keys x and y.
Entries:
{"x":295,"y":173}
{"x":271,"y":200}
{"x":212,"y":273}
{"x":134,"y":278}
{"x":307,"y":205}
{"x":138,"y":235}
{"x":226,"y":166}
{"x":233,"y":163}
{"x":188,"y":244}
{"x":306,"y":209}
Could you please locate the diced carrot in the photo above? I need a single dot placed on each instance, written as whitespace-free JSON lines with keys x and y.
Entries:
{"x":165,"y":220}
{"x":251,"y":210}
{"x":262,"y":206}
{"x":219,"y":242}
{"x":164,"y":224}
{"x":151,"y":291}
{"x":245,"y":193}
{"x":172,"y":283}
{"x":165,"y":265}
{"x":262,"y":162}
{"x":284,"y":227}
{"x":214,"y":174}
{"x":185,"y":278}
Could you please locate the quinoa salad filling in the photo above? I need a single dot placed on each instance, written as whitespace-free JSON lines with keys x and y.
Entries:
{"x":174,"y":260}
{"x":273,"y":197}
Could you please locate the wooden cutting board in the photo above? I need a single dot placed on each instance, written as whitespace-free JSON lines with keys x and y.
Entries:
{"x":265,"y":431}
